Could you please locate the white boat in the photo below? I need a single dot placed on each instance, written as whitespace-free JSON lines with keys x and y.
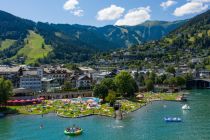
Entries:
{"x":186,"y":107}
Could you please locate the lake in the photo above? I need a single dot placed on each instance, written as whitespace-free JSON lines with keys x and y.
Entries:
{"x":144,"y":124}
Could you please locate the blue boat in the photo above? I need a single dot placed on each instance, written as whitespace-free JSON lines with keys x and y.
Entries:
{"x":172,"y":119}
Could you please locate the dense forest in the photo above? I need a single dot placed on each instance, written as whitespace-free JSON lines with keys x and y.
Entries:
{"x":192,"y":40}
{"x":70,"y":43}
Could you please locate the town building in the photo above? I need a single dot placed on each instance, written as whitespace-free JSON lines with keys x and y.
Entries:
{"x":11,"y":73}
{"x":99,"y":76}
{"x":58,"y":73}
{"x":22,"y":93}
{"x":31,"y":79}
{"x":50,"y":85}
{"x":81,"y":82}
{"x":86,"y":70}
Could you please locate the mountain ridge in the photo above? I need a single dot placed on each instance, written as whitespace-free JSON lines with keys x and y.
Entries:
{"x":189,"y":41}
{"x":78,"y":42}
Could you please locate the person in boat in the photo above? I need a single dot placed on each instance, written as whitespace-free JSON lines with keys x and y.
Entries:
{"x":77,"y":128}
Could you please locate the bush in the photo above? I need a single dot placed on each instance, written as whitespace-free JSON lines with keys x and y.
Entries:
{"x":111,"y":98}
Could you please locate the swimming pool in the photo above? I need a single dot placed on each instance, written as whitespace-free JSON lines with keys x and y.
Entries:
{"x":86,"y":98}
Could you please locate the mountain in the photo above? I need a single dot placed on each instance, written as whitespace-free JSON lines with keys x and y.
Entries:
{"x":191,"y":40}
{"x":109,"y":37}
{"x":193,"y":36}
{"x":20,"y":38}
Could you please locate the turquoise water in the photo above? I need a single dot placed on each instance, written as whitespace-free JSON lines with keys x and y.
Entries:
{"x":144,"y":124}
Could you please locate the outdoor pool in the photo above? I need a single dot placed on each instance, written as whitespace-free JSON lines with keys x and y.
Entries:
{"x":86,"y":99}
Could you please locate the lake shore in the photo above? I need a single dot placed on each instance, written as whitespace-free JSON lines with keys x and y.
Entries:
{"x":78,"y":110}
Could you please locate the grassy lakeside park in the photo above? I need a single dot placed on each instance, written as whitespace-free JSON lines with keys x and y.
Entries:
{"x":69,"y":109}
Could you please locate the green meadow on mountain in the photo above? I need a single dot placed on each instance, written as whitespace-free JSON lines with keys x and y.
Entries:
{"x":6,"y":44}
{"x":74,"y":43}
{"x":34,"y":48}
{"x":29,"y":42}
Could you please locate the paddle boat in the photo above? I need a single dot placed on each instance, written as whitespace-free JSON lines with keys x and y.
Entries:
{"x":172,"y":119}
{"x":73,"y":131}
{"x":186,"y":107}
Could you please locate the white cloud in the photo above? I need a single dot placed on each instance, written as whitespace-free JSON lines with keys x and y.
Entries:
{"x":70,"y":4}
{"x":135,"y":16}
{"x":191,"y":7}
{"x":73,"y":7}
{"x":201,"y":1}
{"x":168,"y":3}
{"x":78,"y":12}
{"x":110,"y":13}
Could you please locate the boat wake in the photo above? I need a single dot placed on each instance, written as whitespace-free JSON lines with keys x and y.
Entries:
{"x":118,"y":126}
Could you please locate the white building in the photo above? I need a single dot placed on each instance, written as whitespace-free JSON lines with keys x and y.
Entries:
{"x":50,"y":85}
{"x":31,"y":79}
{"x":83,"y":82}
{"x":98,"y":77}
{"x":32,"y":82}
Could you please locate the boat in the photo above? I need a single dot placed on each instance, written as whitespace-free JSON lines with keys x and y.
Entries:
{"x":73,"y":131}
{"x":186,"y":107}
{"x":172,"y":119}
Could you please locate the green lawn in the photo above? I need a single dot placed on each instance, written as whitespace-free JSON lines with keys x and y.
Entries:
{"x":6,"y":44}
{"x":62,"y":109}
{"x":207,"y":67}
{"x":161,"y":96}
{"x":192,"y":39}
{"x":73,"y":110}
{"x":169,"y":40}
{"x":33,"y":48}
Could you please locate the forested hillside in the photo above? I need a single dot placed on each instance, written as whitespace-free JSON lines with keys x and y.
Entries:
{"x":192,"y":40}
{"x":70,"y":43}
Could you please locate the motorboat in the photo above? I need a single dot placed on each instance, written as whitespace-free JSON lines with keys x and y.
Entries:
{"x":73,"y":131}
{"x":172,"y":119}
{"x":186,"y":107}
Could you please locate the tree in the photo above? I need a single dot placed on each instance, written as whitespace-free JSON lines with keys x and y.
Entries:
{"x":5,"y":91}
{"x":72,"y":67}
{"x":100,"y":91}
{"x":180,"y":81}
{"x":149,"y":84}
{"x":125,"y":84}
{"x":163,"y":78}
{"x":188,"y":76}
{"x":171,"y":70}
{"x":141,"y":80}
{"x":152,"y":76}
{"x":109,"y":83}
{"x":43,"y":46}
{"x":111,"y":98}
{"x":172,"y":81}
{"x":67,"y":86}
{"x":158,"y":80}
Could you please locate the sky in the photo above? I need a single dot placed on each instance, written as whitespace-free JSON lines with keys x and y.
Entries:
{"x":104,"y":12}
